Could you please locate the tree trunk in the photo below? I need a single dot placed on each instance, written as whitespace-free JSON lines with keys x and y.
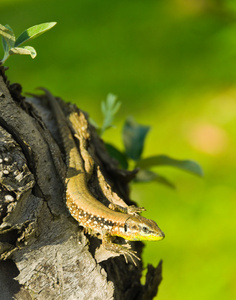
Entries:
{"x":44,"y":254}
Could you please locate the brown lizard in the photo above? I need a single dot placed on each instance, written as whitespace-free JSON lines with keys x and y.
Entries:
{"x":89,"y":211}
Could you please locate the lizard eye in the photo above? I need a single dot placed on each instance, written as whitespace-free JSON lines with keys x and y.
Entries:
{"x":145,"y":229}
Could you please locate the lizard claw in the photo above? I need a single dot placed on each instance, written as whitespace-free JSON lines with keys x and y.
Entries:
{"x":134,"y":210}
{"x":131,"y":210}
{"x":131,"y":254}
{"x":121,"y":249}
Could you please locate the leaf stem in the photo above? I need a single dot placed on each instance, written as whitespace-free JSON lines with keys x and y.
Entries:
{"x":6,"y":56}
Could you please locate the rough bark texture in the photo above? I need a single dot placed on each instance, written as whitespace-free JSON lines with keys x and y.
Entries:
{"x":44,"y":254}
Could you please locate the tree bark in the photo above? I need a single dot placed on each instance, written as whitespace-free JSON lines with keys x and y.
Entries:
{"x":44,"y":254}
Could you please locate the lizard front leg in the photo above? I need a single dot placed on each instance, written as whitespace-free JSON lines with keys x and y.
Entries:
{"x":120,"y":249}
{"x":131,"y":210}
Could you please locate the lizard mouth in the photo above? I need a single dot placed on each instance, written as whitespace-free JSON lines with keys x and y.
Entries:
{"x":161,"y":234}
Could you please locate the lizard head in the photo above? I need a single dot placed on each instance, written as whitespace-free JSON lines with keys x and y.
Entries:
{"x":138,"y":228}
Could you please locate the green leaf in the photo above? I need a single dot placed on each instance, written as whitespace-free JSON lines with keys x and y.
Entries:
{"x":163,"y":160}
{"x":93,"y":123}
{"x":109,"y":108}
{"x":111,"y":105}
{"x":25,"y":50}
{"x":149,"y":176}
{"x":33,"y":32}
{"x":5,"y":45}
{"x":118,"y":155}
{"x":8,"y":37}
{"x":134,"y":136}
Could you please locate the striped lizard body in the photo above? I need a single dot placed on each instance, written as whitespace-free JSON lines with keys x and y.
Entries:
{"x":89,"y":211}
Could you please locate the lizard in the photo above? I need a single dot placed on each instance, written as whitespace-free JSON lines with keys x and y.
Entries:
{"x":93,"y":215}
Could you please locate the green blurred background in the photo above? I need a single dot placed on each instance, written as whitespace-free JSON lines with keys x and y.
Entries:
{"x":172,"y":64}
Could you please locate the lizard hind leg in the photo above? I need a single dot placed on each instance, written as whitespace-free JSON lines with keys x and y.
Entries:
{"x":131,"y":210}
{"x":119,"y":249}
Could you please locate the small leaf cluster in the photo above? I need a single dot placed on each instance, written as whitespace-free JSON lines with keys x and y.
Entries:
{"x":109,"y":109}
{"x":12,"y":45}
{"x":134,"y":137}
